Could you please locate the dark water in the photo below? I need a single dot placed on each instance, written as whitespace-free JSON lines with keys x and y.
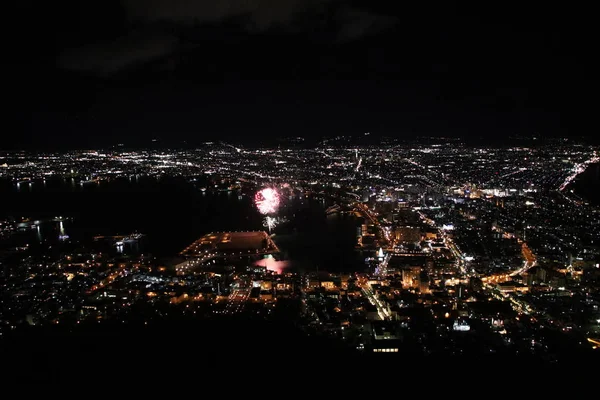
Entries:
{"x":314,"y":240}
{"x":172,"y":213}
{"x":169,"y":211}
{"x":587,"y":184}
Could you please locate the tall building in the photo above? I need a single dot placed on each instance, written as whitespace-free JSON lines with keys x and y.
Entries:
{"x":410,"y":277}
{"x":424,"y":282}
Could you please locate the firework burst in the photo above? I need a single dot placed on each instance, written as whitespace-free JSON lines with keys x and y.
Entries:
{"x":267,"y":201}
{"x":270,"y":223}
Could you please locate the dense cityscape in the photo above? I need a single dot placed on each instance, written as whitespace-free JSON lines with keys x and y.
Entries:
{"x":464,"y":249}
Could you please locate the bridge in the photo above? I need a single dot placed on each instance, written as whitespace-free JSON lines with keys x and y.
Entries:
{"x":124,"y":238}
{"x":333,"y":209}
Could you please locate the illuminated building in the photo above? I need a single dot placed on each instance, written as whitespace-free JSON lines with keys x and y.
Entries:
{"x":461,"y":326}
{"x":410,"y":277}
{"x":506,"y":287}
{"x":385,"y":337}
{"x":407,"y":234}
{"x":328,"y":284}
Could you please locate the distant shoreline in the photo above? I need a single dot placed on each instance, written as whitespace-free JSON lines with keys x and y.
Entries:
{"x":587,"y":184}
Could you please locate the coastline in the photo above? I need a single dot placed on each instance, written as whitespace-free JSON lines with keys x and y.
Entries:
{"x":586,"y":186}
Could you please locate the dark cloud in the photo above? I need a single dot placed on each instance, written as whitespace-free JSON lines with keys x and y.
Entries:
{"x":262,"y":13}
{"x":108,"y":57}
{"x":332,"y":19}
{"x":356,"y":23}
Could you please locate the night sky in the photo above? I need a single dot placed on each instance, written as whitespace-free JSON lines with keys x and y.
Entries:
{"x":184,"y":71}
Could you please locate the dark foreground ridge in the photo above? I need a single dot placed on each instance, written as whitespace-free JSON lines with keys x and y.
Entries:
{"x":246,"y":348}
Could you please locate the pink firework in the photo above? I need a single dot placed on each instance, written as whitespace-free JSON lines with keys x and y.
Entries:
{"x":267,"y":201}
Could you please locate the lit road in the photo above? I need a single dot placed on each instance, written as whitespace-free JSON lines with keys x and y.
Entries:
{"x":385,"y":234}
{"x":121,"y":272}
{"x":458,"y":256}
{"x":516,"y":303}
{"x":382,"y":309}
{"x":528,"y":256}
{"x":362,"y":208}
{"x":453,"y":247}
{"x":426,"y":170}
{"x":236,"y":300}
{"x":382,"y":268}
